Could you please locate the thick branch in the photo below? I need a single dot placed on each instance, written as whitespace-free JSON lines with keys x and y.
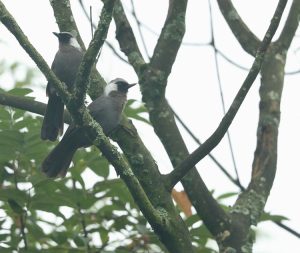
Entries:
{"x":245,"y":37}
{"x":126,"y":38}
{"x":170,"y":39}
{"x":250,"y":204}
{"x":28,"y":104}
{"x":290,"y":26}
{"x":179,"y":172}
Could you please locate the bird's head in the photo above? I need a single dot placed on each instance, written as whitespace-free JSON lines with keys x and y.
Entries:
{"x":118,"y":85}
{"x":67,"y":38}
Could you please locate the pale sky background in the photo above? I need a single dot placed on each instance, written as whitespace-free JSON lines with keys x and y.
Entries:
{"x":193,"y":92}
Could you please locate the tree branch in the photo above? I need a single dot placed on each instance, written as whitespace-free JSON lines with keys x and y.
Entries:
{"x":112,"y":48}
{"x":180,"y":171}
{"x":82,"y":78}
{"x":134,"y":14}
{"x":243,"y":34}
{"x":170,"y":39}
{"x":126,"y":38}
{"x":290,"y":26}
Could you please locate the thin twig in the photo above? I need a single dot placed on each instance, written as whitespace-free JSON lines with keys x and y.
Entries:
{"x":106,"y":42}
{"x":221,"y":90}
{"x":21,"y":215}
{"x":82,"y":221}
{"x":139,"y":30}
{"x":82,"y":77}
{"x":91,"y":22}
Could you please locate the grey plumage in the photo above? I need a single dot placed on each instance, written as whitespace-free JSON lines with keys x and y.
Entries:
{"x":106,"y":110}
{"x":65,"y":66}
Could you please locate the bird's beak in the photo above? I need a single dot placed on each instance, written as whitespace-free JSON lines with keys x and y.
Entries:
{"x":56,"y":34}
{"x":131,"y":85}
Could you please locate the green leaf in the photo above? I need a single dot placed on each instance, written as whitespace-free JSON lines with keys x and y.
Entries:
{"x":273,"y":217}
{"x":35,"y":231}
{"x":60,"y":237}
{"x":79,"y":241}
{"x":134,"y":112}
{"x":192,"y":219}
{"x":227,"y":195}
{"x":20,"y":91}
{"x":92,"y":159}
{"x":13,"y":194}
{"x":103,"y":235}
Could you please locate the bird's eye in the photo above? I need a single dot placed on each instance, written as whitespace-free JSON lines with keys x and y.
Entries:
{"x":122,"y":86}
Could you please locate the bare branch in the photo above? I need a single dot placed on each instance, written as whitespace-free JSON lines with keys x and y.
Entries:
{"x":82,"y":78}
{"x":245,"y":37}
{"x":180,"y":171}
{"x":290,"y":26}
{"x":139,"y":29}
{"x":221,"y":91}
{"x":106,"y":42}
{"x":219,"y":165}
{"x":170,"y":38}
{"x":126,"y":38}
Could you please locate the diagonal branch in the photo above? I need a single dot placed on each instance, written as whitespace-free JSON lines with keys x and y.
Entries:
{"x":243,"y":34}
{"x":82,"y":78}
{"x":134,"y":14}
{"x":221,"y":90}
{"x":112,"y":48}
{"x":126,"y":38}
{"x":290,"y":26}
{"x":171,"y":36}
{"x":181,"y":170}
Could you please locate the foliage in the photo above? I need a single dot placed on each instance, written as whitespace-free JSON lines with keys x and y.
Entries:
{"x":56,"y":213}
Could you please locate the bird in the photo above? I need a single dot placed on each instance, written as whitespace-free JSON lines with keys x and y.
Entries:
{"x":106,"y":110}
{"x":65,"y":66}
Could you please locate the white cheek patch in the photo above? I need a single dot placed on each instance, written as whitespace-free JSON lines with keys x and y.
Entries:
{"x":110,"y":87}
{"x":74,"y":43}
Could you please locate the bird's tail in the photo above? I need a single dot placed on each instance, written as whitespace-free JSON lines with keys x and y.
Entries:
{"x":58,"y":161}
{"x":53,"y":123}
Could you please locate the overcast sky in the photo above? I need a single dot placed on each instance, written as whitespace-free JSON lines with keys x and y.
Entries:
{"x":193,"y":92}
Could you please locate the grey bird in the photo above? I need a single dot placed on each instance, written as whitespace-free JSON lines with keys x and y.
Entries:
{"x":106,"y":110}
{"x":65,"y":66}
